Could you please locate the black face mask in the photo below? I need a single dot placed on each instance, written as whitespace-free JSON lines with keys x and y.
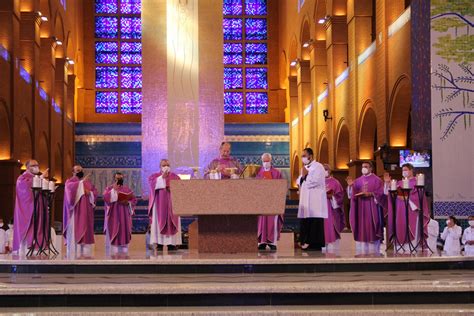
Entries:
{"x":80,"y":174}
{"x":119,"y":181}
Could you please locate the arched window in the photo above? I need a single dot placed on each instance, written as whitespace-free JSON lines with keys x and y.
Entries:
{"x":245,"y":57}
{"x":118,"y":56}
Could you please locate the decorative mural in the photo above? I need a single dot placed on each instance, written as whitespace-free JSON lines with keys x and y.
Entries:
{"x":452,"y":106}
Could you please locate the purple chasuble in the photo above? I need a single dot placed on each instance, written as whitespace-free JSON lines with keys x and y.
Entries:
{"x":223,"y":162}
{"x":335,"y":222}
{"x":118,"y":217}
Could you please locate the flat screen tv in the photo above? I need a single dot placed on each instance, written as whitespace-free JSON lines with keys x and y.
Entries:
{"x":419,"y":159}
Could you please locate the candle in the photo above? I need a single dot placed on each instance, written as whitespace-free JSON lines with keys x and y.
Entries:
{"x":52,"y":186}
{"x":405,"y":183}
{"x":420,"y":179}
{"x":393,"y":185}
{"x":36,"y":182}
{"x":45,"y":185}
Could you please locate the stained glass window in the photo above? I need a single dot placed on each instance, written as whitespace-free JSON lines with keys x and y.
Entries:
{"x":233,"y":102}
{"x":106,"y":27}
{"x":106,"y":77}
{"x":256,"y":78}
{"x":118,"y":56}
{"x":131,"y":102}
{"x":106,"y":52}
{"x":232,"y":29}
{"x":256,"y":29}
{"x":106,"y":102}
{"x":131,"y":6}
{"x":131,"y":77}
{"x":233,"y":78}
{"x":131,"y":28}
{"x":256,"y":7}
{"x":106,"y":6}
{"x":256,"y":53}
{"x":232,"y":53}
{"x":245,"y":86}
{"x":232,"y":7}
{"x":131,"y":52}
{"x":256,"y":103}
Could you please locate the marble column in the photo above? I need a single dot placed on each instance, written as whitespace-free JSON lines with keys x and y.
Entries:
{"x":183,"y":116}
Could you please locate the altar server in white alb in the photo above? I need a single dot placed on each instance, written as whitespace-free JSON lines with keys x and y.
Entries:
{"x":451,"y":236}
{"x":313,"y":208}
{"x":468,"y":238}
{"x":433,"y":233}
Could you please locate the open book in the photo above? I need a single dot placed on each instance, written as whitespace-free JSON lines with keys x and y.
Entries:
{"x":125,"y":197}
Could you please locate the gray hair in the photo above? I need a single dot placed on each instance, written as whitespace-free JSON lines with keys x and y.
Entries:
{"x":266,"y":155}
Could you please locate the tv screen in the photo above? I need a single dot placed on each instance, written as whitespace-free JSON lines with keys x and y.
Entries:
{"x":419,"y":159}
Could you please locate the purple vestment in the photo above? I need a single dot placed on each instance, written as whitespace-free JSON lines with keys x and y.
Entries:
{"x":23,"y":215}
{"x":365,"y":219}
{"x":266,"y":224}
{"x":335,"y":222}
{"x":412,"y":215}
{"x":81,"y":208}
{"x":167,"y":221}
{"x":225,"y":163}
{"x":118,"y":216}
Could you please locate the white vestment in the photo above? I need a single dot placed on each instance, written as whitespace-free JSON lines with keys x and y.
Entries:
{"x":451,"y":237}
{"x":433,"y":233}
{"x":468,"y":236}
{"x":313,"y":200}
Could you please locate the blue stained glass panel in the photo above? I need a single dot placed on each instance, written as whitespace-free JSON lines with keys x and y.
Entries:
{"x":106,"y":52}
{"x":106,"y":6}
{"x":131,"y":102}
{"x":131,"y":77}
{"x":232,"y":29}
{"x":131,"y":53}
{"x":232,"y":7}
{"x":232,"y":54}
{"x":106,"y":77}
{"x":106,"y":27}
{"x":233,"y":78}
{"x":255,"y":29}
{"x":233,"y":102}
{"x":257,"y":103}
{"x":106,"y":102}
{"x":131,"y":28}
{"x":256,"y":7}
{"x":256,"y":78}
{"x":131,"y":6}
{"x":256,"y":53}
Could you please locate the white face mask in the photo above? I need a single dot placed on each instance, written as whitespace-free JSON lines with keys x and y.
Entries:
{"x":165,"y":169}
{"x":471,"y":223}
{"x":10,"y":226}
{"x":327,"y":174}
{"x":305,"y":160}
{"x":447,"y":222}
{"x":1,"y":224}
{"x":405,"y":174}
{"x":365,"y":171}
{"x":35,"y":170}
{"x":267,"y":164}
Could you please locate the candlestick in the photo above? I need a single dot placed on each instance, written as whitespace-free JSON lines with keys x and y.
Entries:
{"x":36,"y":182}
{"x":393,"y":185}
{"x":405,"y":183}
{"x":420,"y":179}
{"x":45,"y":185}
{"x":52,"y":186}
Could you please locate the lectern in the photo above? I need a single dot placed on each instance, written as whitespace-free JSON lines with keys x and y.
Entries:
{"x":227,"y":210}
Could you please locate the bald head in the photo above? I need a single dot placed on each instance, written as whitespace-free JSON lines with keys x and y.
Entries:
{"x":225,"y":150}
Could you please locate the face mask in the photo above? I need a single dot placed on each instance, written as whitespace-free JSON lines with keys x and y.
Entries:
{"x":267,"y":164}
{"x":471,"y":223}
{"x":35,"y":170}
{"x":10,"y":226}
{"x":165,"y":169}
{"x":120,"y":182}
{"x":405,"y":174}
{"x":365,"y":171}
{"x":1,"y":224}
{"x":327,"y":174}
{"x":80,"y":174}
{"x":447,"y":222}
{"x":305,"y":160}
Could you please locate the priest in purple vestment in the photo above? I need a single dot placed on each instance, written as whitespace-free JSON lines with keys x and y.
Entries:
{"x":119,"y":207}
{"x":165,"y":227}
{"x":269,"y":227}
{"x":367,"y":201}
{"x":402,"y":233}
{"x":80,"y":197}
{"x":220,"y":167}
{"x":335,"y":222}
{"x":23,"y":229}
